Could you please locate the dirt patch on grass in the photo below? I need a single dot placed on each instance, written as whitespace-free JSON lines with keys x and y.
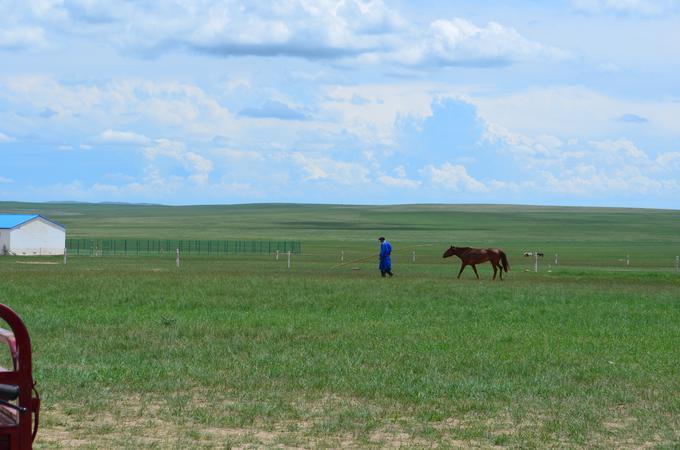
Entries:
{"x":199,"y":419}
{"x":49,"y":263}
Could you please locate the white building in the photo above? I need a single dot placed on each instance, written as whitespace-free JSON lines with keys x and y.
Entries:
{"x":30,"y":234}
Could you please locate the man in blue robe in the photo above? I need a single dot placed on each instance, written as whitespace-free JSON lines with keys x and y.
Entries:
{"x":385,"y":260}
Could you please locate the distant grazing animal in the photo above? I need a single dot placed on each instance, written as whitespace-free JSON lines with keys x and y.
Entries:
{"x":528,"y":254}
{"x":539,"y":254}
{"x":474,"y":256}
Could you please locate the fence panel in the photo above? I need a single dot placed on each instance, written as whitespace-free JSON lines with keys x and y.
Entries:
{"x":127,"y":247}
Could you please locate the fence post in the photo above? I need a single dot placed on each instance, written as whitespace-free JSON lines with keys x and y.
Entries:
{"x":277,"y":255}
{"x":289,"y":259}
{"x":556,"y":261}
{"x":677,"y":263}
{"x":414,"y":256}
{"x":178,"y":258}
{"x":342,"y":256}
{"x":535,"y":261}
{"x":627,"y":260}
{"x":65,"y":254}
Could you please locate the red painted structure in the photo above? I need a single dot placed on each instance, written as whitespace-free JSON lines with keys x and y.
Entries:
{"x":18,"y":419}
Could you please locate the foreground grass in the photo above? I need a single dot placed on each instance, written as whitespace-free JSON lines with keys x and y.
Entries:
{"x":228,"y":352}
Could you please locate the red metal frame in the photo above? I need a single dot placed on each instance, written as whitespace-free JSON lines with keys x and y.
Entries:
{"x":18,"y":429}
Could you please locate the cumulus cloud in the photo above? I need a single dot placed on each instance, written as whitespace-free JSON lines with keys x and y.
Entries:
{"x":197,"y":166}
{"x":590,"y":169}
{"x":325,"y":29}
{"x":568,"y":111}
{"x":325,"y":168}
{"x":622,"y":148}
{"x":169,"y":106}
{"x":123,"y":137}
{"x":453,"y":177}
{"x":458,"y":42}
{"x":400,"y":182}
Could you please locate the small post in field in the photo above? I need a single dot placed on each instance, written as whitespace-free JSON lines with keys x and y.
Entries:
{"x":342,"y":256}
{"x":277,"y":255}
{"x":627,"y":260}
{"x":65,"y":254}
{"x":535,"y":261}
{"x":414,"y":256}
{"x":289,"y":259}
{"x":556,"y":260}
{"x":177,"y":261}
{"x":677,"y":263}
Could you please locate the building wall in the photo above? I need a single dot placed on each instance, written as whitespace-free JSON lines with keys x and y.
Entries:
{"x":37,"y":237}
{"x":4,"y":241}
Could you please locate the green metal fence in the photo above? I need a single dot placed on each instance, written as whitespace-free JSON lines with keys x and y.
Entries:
{"x":131,"y":247}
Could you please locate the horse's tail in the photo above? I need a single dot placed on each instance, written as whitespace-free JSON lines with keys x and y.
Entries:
{"x":504,"y":260}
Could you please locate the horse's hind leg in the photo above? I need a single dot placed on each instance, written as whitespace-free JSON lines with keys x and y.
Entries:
{"x":495,"y":270}
{"x":475,"y":269}
{"x":462,"y":266}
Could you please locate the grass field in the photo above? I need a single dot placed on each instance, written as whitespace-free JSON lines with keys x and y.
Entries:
{"x":241,"y":351}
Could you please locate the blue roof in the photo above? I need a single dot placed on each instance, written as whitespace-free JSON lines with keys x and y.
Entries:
{"x":14,"y":220}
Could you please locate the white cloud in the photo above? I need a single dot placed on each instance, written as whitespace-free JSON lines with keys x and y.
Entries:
{"x":667,"y":162}
{"x":168,"y":106}
{"x":4,"y":180}
{"x":376,"y":117}
{"x":591,"y":169}
{"x":321,"y":29}
{"x":569,"y":111}
{"x":198,"y":166}
{"x":520,"y":144}
{"x":123,"y":137}
{"x":324,"y":168}
{"x":619,"y":148}
{"x":4,"y":138}
{"x":590,"y":181}
{"x":459,"y":42}
{"x":314,"y":30}
{"x":399,"y":182}
{"x":453,"y":177}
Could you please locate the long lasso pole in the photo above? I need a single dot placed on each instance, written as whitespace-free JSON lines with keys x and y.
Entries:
{"x":365,"y":258}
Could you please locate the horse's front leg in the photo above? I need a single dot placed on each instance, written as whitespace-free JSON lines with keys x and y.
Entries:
{"x":494,"y":271}
{"x":462,"y":266}
{"x":475,"y":269}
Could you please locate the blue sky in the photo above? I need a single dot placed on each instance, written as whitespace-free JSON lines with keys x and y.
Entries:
{"x":573,"y":102}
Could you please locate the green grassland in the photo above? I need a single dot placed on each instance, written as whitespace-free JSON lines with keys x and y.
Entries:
{"x":241,"y":351}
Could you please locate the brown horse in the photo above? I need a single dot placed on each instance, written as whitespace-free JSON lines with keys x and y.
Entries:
{"x":474,"y":256}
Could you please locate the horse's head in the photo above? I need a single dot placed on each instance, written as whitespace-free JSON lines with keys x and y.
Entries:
{"x":449,"y":252}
